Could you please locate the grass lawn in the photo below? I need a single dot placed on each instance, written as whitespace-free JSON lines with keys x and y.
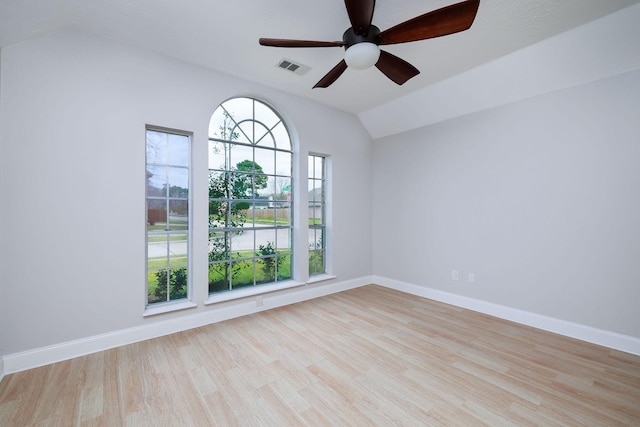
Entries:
{"x":243,"y":273}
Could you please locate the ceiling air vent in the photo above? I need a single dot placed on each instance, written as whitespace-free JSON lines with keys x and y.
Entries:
{"x":299,"y":69}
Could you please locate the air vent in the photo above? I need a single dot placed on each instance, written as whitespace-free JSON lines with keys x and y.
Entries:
{"x":289,"y":65}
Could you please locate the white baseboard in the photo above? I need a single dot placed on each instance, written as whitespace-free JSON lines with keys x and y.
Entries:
{"x":574,"y":330}
{"x":1,"y":368}
{"x":214,"y":313}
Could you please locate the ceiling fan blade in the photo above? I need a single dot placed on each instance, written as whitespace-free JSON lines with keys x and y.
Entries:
{"x":332,"y":75}
{"x":297,"y":43}
{"x":441,"y":22}
{"x":395,"y":68}
{"x":360,"y":15}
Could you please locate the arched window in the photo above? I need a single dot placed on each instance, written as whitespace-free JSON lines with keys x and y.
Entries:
{"x":250,"y":205}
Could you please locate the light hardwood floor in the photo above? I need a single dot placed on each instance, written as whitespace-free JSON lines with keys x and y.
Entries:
{"x":369,"y":356}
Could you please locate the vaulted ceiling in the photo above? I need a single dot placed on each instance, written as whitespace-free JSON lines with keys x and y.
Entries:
{"x":223,"y":35}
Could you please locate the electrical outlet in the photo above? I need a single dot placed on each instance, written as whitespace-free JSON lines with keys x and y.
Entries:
{"x":472,"y":277}
{"x":454,"y":275}
{"x":259,"y":301}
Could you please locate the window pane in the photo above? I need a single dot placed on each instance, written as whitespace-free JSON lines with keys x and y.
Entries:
{"x":265,"y":115}
{"x":219,"y":246}
{"x":241,"y":185}
{"x":315,"y":185}
{"x":246,"y":131}
{"x":283,"y":162}
{"x":178,"y":150}
{"x":156,"y":214}
{"x":242,"y":244}
{"x":157,"y":150}
{"x":177,"y":250}
{"x":218,"y":156}
{"x":316,"y":262}
{"x":267,"y":216}
{"x":315,"y":238}
{"x":177,"y":283}
{"x":262,"y":214}
{"x":156,"y":181}
{"x":266,"y":160}
{"x":218,"y":214}
{"x":248,"y":214}
{"x":239,"y":208}
{"x":261,"y":186}
{"x":178,"y":182}
{"x":284,"y":240}
{"x":152,"y":287}
{"x":282,"y":137}
{"x":263,"y":137}
{"x":315,"y":214}
{"x":167,"y":285}
{"x":243,"y":273}
{"x":157,"y":251}
{"x":283,"y":188}
{"x":283,"y":213}
{"x":221,"y":125}
{"x":219,"y":185}
{"x":219,"y":277}
{"x":265,"y":241}
{"x":239,"y":154}
{"x":266,"y":270}
{"x":239,"y":108}
{"x":284,"y":267}
{"x":318,"y":167}
{"x":178,"y":215}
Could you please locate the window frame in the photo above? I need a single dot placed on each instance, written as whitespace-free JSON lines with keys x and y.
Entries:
{"x":312,"y":177}
{"x":152,"y":308}
{"x":251,"y":141}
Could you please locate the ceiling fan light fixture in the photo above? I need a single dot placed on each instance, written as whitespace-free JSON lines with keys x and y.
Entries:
{"x":362,"y":39}
{"x":361,"y":56}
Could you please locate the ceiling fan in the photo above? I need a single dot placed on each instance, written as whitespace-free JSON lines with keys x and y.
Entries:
{"x":361,"y":41}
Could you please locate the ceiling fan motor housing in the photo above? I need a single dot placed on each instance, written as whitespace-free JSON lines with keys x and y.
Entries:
{"x":350,"y":37}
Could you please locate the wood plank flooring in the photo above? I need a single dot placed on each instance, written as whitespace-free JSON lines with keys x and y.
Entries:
{"x":368,"y":356}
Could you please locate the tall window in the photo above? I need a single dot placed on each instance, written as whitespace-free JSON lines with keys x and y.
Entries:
{"x":317,"y":217}
{"x":250,"y":206}
{"x":167,"y":215}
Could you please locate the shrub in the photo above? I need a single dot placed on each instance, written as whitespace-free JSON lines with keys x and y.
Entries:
{"x":177,"y":284}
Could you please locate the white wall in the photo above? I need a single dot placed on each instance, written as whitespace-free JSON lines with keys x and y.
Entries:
{"x":539,"y":198}
{"x":72,"y":118}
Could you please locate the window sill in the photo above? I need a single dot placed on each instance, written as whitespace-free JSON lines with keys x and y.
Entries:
{"x":169,"y":307}
{"x":254,"y":290}
{"x":320,"y":278}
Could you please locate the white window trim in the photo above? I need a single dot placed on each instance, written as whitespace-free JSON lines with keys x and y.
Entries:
{"x":258,"y":289}
{"x":168,"y":307}
{"x":328,"y":220}
{"x":320,"y":278}
{"x":182,"y":304}
{"x":251,"y":291}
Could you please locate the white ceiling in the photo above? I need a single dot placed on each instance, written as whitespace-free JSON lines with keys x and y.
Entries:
{"x":223,"y":35}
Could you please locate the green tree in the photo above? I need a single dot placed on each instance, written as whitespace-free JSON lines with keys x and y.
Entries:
{"x":248,"y":179}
